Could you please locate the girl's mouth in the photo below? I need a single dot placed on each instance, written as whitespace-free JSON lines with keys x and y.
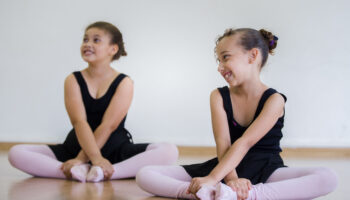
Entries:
{"x":226,"y":75}
{"x":87,"y":52}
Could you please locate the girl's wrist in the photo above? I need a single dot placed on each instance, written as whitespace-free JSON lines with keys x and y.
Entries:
{"x":214,"y":177}
{"x":227,"y":179}
{"x":82,"y":157}
{"x":231,"y":176}
{"x":83,"y":160}
{"x":95,"y":158}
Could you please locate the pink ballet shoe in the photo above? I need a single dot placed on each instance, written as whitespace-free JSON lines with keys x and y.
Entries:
{"x":224,"y":192}
{"x":95,"y":174}
{"x":79,"y":172}
{"x":206,"y":193}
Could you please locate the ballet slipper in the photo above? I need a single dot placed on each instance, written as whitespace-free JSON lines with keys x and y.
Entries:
{"x":206,"y":193}
{"x":95,"y":174}
{"x":224,"y":192}
{"x":79,"y":172}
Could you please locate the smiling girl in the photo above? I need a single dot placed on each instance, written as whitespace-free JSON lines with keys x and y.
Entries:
{"x":247,"y":118}
{"x":97,"y":100}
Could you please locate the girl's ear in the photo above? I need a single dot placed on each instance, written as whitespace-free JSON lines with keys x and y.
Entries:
{"x":253,"y":55}
{"x":115,"y":49}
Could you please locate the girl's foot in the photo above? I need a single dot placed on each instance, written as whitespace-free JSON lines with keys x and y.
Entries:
{"x":95,"y":174}
{"x":206,"y":193}
{"x":224,"y":192}
{"x":79,"y":172}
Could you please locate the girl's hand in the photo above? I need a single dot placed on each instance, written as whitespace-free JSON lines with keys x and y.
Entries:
{"x":241,"y":186}
{"x":106,"y":166}
{"x":66,"y":166}
{"x":198,"y":182}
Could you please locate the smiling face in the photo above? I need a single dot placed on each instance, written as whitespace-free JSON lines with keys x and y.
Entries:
{"x":97,"y":47}
{"x":234,"y":61}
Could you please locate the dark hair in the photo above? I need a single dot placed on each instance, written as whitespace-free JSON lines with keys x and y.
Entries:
{"x":251,"y":38}
{"x":116,"y":36}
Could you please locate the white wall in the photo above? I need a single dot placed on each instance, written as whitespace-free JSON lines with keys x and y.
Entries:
{"x":170,"y":46}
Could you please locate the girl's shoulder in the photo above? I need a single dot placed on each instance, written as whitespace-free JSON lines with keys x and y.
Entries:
{"x":215,"y":96}
{"x":217,"y":92}
{"x":74,"y":81}
{"x":271,"y":93}
{"x":123,"y":82}
{"x":125,"y":78}
{"x":126,"y":81}
{"x":220,"y":94}
{"x":275,"y":98}
{"x":70,"y":79}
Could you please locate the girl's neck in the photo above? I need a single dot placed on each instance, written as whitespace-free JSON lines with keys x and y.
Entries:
{"x":99,"y":70}
{"x":249,"y":89}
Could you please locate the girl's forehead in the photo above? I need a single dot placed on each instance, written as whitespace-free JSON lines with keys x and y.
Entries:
{"x":228,"y":43}
{"x":95,"y":31}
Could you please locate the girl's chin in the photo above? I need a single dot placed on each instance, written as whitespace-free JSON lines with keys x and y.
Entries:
{"x":229,"y":81}
{"x":88,"y":60}
{"x":232,"y":83}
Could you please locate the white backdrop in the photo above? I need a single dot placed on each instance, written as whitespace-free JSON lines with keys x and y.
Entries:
{"x":170,"y":46}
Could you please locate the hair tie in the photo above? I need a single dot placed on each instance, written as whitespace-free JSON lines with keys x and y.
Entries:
{"x":273,"y":41}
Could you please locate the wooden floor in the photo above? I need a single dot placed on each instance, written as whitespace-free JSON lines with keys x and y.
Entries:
{"x":16,"y":185}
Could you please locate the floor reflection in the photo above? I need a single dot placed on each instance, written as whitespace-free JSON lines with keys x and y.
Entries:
{"x":42,"y":188}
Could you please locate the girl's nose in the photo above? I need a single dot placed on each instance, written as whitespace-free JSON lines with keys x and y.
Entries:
{"x":87,"y":44}
{"x":220,"y":67}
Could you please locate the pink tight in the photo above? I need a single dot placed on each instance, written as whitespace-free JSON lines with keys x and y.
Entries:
{"x":284,"y":183}
{"x":39,"y":160}
{"x":169,"y":181}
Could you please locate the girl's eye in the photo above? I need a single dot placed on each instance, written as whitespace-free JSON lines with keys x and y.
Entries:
{"x":85,"y":40}
{"x":225,"y":57}
{"x":96,"y":40}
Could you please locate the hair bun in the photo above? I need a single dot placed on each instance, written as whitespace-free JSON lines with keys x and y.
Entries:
{"x":270,"y":39}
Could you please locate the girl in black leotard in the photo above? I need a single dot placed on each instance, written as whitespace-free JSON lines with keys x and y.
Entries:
{"x":247,"y":119}
{"x":97,"y":100}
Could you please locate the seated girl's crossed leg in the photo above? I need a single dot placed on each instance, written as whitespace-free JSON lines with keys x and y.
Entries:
{"x":39,"y":160}
{"x":284,"y":183}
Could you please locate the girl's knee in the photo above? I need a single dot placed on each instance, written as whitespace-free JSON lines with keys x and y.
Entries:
{"x":169,"y":151}
{"x":14,"y":153}
{"x":143,"y":175}
{"x":328,"y":179}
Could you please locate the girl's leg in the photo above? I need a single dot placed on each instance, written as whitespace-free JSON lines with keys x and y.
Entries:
{"x":39,"y":160}
{"x":165,"y":181}
{"x":155,"y":154}
{"x":300,"y":183}
{"x":292,"y":183}
{"x":36,"y":160}
{"x":79,"y":172}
